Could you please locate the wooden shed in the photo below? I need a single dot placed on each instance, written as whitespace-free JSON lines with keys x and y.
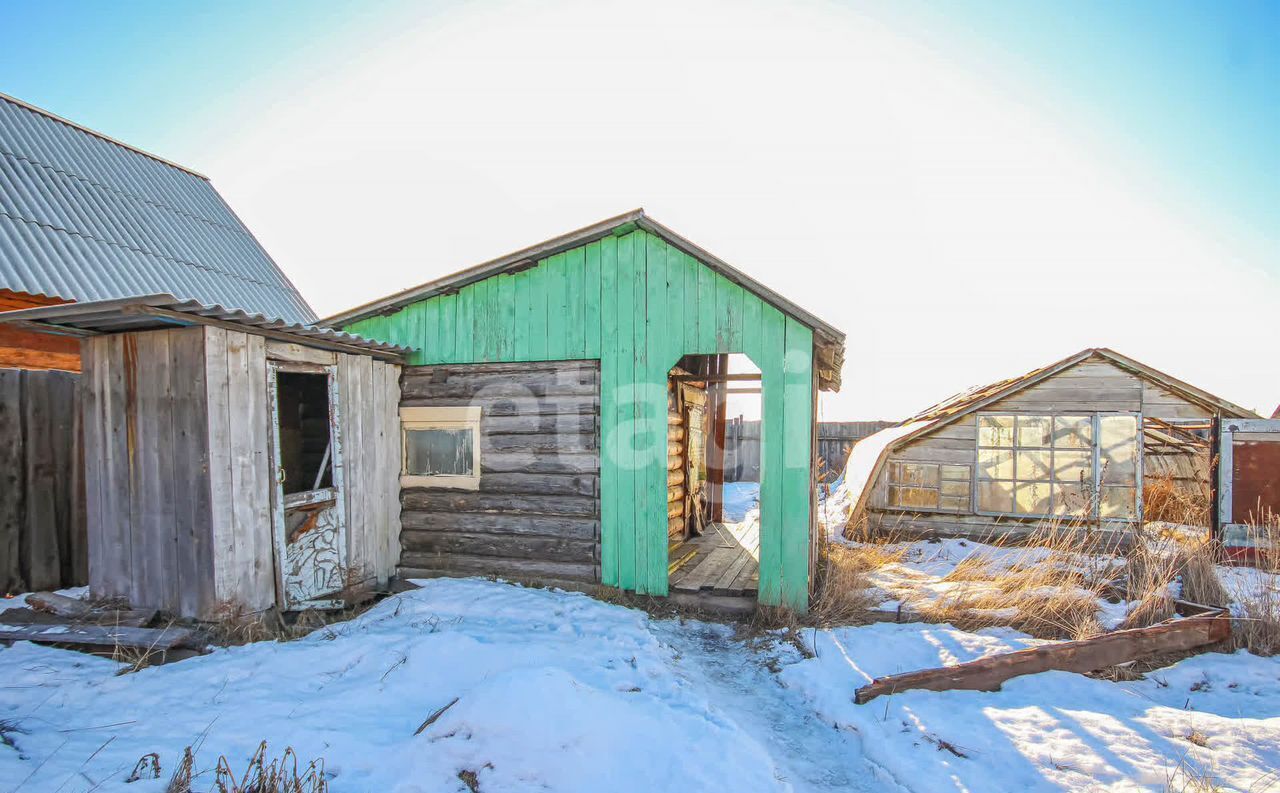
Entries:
{"x":1085,"y":442}
{"x":231,"y":461}
{"x":559,"y":399}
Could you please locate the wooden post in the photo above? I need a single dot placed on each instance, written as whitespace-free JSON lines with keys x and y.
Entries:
{"x":716,"y":366}
{"x":1215,"y":446}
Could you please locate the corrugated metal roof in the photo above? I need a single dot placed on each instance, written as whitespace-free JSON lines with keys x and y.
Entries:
{"x":85,"y":217}
{"x":152,"y":312}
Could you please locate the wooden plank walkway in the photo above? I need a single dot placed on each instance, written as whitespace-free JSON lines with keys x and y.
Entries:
{"x":725,"y":561}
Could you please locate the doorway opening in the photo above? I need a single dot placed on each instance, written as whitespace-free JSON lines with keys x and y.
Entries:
{"x":307,"y":509}
{"x":713,"y":476}
{"x":305,"y":453}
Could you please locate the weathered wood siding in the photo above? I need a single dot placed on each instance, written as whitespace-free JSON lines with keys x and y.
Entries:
{"x":42,"y":543}
{"x":179,"y":474}
{"x":637,"y":305}
{"x":1090,"y":386}
{"x":148,"y":502}
{"x":537,"y":512}
{"x":369,"y":392}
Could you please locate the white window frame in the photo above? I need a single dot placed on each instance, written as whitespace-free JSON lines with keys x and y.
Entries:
{"x":1096,"y":417}
{"x":440,"y":418}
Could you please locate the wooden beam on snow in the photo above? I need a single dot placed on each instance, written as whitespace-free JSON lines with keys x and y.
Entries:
{"x":1087,"y":655}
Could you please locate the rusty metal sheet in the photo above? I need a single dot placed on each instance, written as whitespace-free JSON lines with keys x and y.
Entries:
{"x":1255,"y":491}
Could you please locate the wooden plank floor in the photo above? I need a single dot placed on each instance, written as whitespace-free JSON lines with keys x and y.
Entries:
{"x":725,"y":561}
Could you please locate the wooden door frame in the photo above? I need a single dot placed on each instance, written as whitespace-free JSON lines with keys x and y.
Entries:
{"x":1227,"y":429}
{"x":279,"y":538}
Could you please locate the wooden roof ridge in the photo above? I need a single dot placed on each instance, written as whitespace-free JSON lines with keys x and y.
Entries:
{"x":969,"y":400}
{"x":617,"y":225}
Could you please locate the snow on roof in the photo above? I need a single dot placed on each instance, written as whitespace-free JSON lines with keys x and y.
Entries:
{"x":864,"y":460}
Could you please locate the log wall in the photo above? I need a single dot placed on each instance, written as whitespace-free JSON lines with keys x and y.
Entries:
{"x":536,"y":515}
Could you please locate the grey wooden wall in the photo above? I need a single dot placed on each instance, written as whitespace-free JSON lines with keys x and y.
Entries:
{"x":369,"y":399}
{"x":536,"y":515}
{"x":42,"y":541}
{"x":835,"y":440}
{"x":178,"y":463}
{"x":147,"y":469}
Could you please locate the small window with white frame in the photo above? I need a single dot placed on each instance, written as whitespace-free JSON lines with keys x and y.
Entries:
{"x":440,"y":447}
{"x":935,"y":486}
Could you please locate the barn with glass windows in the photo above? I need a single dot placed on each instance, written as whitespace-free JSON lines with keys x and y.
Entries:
{"x":1077,"y":443}
{"x":562,"y":417}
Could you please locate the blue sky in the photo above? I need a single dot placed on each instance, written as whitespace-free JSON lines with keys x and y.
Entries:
{"x":1188,"y":92}
{"x":842,"y":152}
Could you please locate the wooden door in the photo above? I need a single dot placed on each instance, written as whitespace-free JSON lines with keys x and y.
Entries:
{"x":307,"y":508}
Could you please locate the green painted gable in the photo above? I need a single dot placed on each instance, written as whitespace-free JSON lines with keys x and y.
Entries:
{"x":638,"y":304}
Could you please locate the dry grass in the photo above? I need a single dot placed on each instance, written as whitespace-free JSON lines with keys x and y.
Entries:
{"x":1257,"y":624}
{"x":972,"y":568}
{"x":278,"y":775}
{"x":233,"y":623}
{"x":1150,"y":569}
{"x":1200,"y":582}
{"x":1164,"y":500}
{"x":1047,"y":613}
{"x":1048,"y":587}
{"x":841,"y":593}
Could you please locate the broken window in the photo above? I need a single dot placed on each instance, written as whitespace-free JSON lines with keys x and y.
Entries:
{"x":441,"y":447}
{"x":1058,"y":465}
{"x":303,"y":416}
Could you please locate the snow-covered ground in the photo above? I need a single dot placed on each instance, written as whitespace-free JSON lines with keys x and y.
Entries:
{"x":921,"y":576}
{"x":739,"y":499}
{"x":560,"y":692}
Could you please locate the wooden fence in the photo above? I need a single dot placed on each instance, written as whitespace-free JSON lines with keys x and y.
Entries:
{"x":42,"y":521}
{"x":835,"y":439}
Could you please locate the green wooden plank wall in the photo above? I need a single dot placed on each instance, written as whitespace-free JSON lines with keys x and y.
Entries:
{"x":638,"y":305}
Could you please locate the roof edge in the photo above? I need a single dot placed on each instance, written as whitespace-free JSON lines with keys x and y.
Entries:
{"x":163,"y":310}
{"x":478,"y":272}
{"x":1186,"y":389}
{"x":100,"y":135}
{"x":575,"y":239}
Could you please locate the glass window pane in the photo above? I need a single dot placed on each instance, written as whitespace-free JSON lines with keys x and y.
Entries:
{"x":955,"y":473}
{"x":1073,"y":467}
{"x":1118,"y":449}
{"x":1072,"y":499}
{"x":1034,"y":431}
{"x":925,"y":474}
{"x":995,"y":496}
{"x":436,"y":452}
{"x":955,"y":504}
{"x":995,"y":431}
{"x":1031,"y":498}
{"x":912,"y":497}
{"x":1033,"y":465}
{"x":1073,"y":432}
{"x":995,"y":464}
{"x":1117,"y":502}
{"x":955,"y":488}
